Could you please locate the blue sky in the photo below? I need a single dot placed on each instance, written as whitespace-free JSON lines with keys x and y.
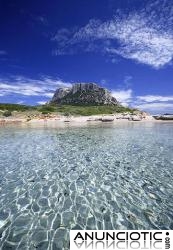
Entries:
{"x":123,"y":45}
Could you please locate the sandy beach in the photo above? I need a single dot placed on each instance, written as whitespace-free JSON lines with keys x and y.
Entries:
{"x":75,"y":120}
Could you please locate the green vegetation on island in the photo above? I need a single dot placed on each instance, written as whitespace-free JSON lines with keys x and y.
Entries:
{"x":15,"y":107}
{"x":84,"y":110}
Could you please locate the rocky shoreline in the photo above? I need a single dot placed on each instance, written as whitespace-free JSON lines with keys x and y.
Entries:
{"x":60,"y":119}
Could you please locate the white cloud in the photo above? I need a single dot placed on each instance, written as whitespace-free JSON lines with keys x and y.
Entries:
{"x":154,"y":103}
{"x":150,"y":103}
{"x":145,"y":36}
{"x":42,"y":102}
{"x":156,"y":106}
{"x":20,"y":102}
{"x":20,"y":85}
{"x":49,"y":94}
{"x":154,"y":98}
{"x":22,"y":89}
{"x":123,"y":96}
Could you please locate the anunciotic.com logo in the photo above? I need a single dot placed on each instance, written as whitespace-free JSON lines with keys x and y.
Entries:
{"x":121,"y":239}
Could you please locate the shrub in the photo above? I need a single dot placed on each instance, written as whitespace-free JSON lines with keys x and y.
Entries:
{"x":7,"y":113}
{"x":46,"y":108}
{"x":91,"y":110}
{"x":67,"y":114}
{"x":44,"y":112}
{"x":15,"y":107}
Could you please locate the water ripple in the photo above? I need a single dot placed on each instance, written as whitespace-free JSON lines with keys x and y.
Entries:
{"x":109,"y":177}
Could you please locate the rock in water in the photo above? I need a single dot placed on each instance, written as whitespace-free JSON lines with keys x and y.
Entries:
{"x":84,"y":93}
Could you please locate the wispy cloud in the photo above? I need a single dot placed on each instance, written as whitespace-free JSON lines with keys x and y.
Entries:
{"x":156,"y":107}
{"x":41,"y":102}
{"x":155,"y":98}
{"x":24,"y":86}
{"x":145,"y":36}
{"x":154,"y":103}
{"x":42,"y":20}
{"x":123,"y":96}
{"x":3,"y":52}
{"x":38,"y":19}
{"x":20,"y":102}
{"x":150,"y":103}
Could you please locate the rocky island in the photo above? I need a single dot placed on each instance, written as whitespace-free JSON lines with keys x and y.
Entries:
{"x":82,"y":102}
{"x":84,"y":94}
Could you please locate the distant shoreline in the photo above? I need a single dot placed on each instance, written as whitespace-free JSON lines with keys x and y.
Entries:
{"x":59,"y":121}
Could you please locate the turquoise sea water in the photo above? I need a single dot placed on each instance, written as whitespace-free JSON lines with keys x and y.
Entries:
{"x":98,"y":177}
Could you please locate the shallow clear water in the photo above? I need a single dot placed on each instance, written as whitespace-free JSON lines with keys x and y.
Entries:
{"x":105,"y":177}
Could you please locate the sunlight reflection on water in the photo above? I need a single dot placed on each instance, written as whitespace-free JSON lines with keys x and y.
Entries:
{"x":97,"y":177}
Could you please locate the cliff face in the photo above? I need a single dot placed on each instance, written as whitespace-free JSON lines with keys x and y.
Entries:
{"x":84,"y":94}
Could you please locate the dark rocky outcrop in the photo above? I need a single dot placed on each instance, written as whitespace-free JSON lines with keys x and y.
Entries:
{"x":165,"y":117}
{"x":83,"y":94}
